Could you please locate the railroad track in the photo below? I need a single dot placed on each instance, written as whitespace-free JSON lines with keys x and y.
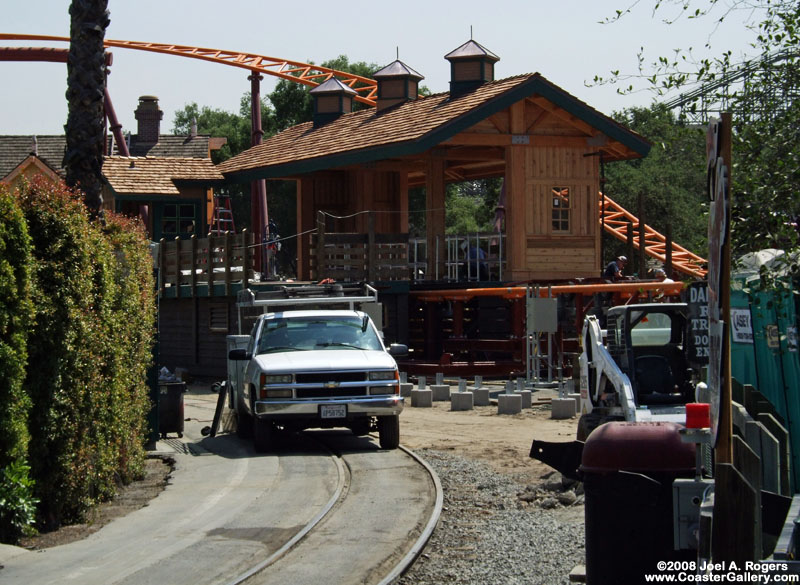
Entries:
{"x":326,"y":507}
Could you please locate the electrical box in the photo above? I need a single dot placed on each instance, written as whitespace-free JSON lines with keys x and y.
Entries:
{"x":542,"y":315}
{"x":687,"y":497}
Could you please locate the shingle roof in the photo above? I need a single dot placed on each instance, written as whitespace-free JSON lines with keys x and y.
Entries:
{"x":156,"y":176}
{"x":15,"y":149}
{"x":172,"y":146}
{"x":408,"y":128}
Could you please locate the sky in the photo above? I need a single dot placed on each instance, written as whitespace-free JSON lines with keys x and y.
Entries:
{"x":564,"y":41}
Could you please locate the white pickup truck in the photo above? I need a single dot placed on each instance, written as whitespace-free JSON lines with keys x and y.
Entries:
{"x":319,"y":367}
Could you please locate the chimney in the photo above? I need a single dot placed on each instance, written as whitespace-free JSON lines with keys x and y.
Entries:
{"x":397,"y":83}
{"x":331,"y":99}
{"x":149,"y":117}
{"x":471,"y":65}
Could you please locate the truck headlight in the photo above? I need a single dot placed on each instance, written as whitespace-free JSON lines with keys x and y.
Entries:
{"x":276,"y":379}
{"x":387,"y":375}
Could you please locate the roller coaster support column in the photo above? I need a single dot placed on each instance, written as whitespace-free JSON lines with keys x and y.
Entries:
{"x":259,"y":215}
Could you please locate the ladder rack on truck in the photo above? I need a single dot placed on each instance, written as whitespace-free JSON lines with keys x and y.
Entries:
{"x":307,"y":296}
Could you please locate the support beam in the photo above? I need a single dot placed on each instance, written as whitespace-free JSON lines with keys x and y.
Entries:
{"x":259,"y":215}
{"x":434,"y":217}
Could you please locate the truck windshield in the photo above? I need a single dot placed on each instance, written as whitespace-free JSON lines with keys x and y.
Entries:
{"x":307,"y":333}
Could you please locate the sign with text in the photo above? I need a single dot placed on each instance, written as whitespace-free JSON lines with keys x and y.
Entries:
{"x":698,"y":324}
{"x":741,"y":326}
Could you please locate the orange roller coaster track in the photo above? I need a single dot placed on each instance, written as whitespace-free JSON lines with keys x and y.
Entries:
{"x":296,"y":71}
{"x":618,"y":221}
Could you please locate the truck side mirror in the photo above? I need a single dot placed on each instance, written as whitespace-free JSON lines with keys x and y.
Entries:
{"x":398,"y":349}
{"x":239,"y":355}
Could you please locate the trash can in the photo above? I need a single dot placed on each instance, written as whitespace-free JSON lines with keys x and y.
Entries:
{"x":628,"y":469}
{"x":170,"y":408}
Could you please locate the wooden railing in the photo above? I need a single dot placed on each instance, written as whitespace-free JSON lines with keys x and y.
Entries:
{"x":206,"y":262}
{"x":351,"y":257}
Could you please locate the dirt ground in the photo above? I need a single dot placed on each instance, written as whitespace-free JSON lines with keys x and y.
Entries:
{"x":502,"y":441}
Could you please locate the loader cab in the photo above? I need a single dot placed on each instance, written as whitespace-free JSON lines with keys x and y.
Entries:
{"x":648,"y":342}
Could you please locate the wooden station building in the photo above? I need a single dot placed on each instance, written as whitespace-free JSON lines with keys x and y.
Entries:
{"x":547,"y":145}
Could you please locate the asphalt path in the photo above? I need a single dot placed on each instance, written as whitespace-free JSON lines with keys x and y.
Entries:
{"x":326,"y":507}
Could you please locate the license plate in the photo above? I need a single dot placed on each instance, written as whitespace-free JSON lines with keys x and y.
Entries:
{"x":333,"y":411}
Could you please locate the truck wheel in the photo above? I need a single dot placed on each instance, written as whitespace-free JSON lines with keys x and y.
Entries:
{"x":389,"y":431}
{"x":263,"y":435}
{"x":244,"y":422}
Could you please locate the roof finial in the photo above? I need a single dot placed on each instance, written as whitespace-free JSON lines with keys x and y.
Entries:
{"x":397,"y":48}
{"x":470,"y":32}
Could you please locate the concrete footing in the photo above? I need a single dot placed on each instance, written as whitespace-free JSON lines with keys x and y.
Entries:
{"x":526,"y":396}
{"x":562,"y":408}
{"x":422,"y":398}
{"x":576,"y":396}
{"x":509,"y":404}
{"x":405,"y":389}
{"x":461,"y":401}
{"x":480,"y":396}
{"x":441,"y":392}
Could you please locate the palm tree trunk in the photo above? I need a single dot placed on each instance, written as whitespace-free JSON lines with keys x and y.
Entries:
{"x":86,"y":75}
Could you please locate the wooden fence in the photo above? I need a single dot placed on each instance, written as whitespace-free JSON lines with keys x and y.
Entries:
{"x":206,"y":262}
{"x":351,"y":257}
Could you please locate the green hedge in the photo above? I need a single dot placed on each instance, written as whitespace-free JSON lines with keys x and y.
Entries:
{"x":16,"y":314}
{"x":87,"y":353}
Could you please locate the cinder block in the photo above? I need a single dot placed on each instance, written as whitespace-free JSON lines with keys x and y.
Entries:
{"x":525,"y":395}
{"x":480,"y":396}
{"x":405,"y":389}
{"x":441,"y":392}
{"x":576,"y":396}
{"x":562,"y":408}
{"x":422,"y":398}
{"x":461,"y":401}
{"x":509,"y":404}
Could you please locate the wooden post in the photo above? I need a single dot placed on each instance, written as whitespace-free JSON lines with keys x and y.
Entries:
{"x":245,"y":259}
{"x":210,"y":257}
{"x":162,"y":265}
{"x":434,"y":216}
{"x":320,"y":251}
{"x":372,"y":252}
{"x":193,"y":278}
{"x":178,"y":267}
{"x":642,"y":255}
{"x":227,"y":261}
{"x":668,"y":251}
{"x":630,"y":247}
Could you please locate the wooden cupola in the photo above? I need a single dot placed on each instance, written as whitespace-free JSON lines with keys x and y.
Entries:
{"x":331,"y":99}
{"x":397,"y":83}
{"x":471,"y":65}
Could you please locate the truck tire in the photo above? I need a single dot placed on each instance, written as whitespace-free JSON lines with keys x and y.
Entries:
{"x":263,"y":435}
{"x":244,"y":422}
{"x":389,"y":431}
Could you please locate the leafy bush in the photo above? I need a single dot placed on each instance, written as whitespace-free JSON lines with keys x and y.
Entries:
{"x":94,"y":302}
{"x":17,"y":505}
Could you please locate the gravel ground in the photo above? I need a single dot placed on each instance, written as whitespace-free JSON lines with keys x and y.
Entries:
{"x":495,"y":530}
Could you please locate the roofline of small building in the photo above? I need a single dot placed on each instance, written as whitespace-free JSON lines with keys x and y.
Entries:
{"x":536,"y":84}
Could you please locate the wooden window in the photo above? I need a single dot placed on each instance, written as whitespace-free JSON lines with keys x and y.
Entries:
{"x":561,"y":209}
{"x":178,"y":219}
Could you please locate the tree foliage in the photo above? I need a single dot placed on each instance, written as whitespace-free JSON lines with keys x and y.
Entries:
{"x":671,"y":178}
{"x":765,"y":165}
